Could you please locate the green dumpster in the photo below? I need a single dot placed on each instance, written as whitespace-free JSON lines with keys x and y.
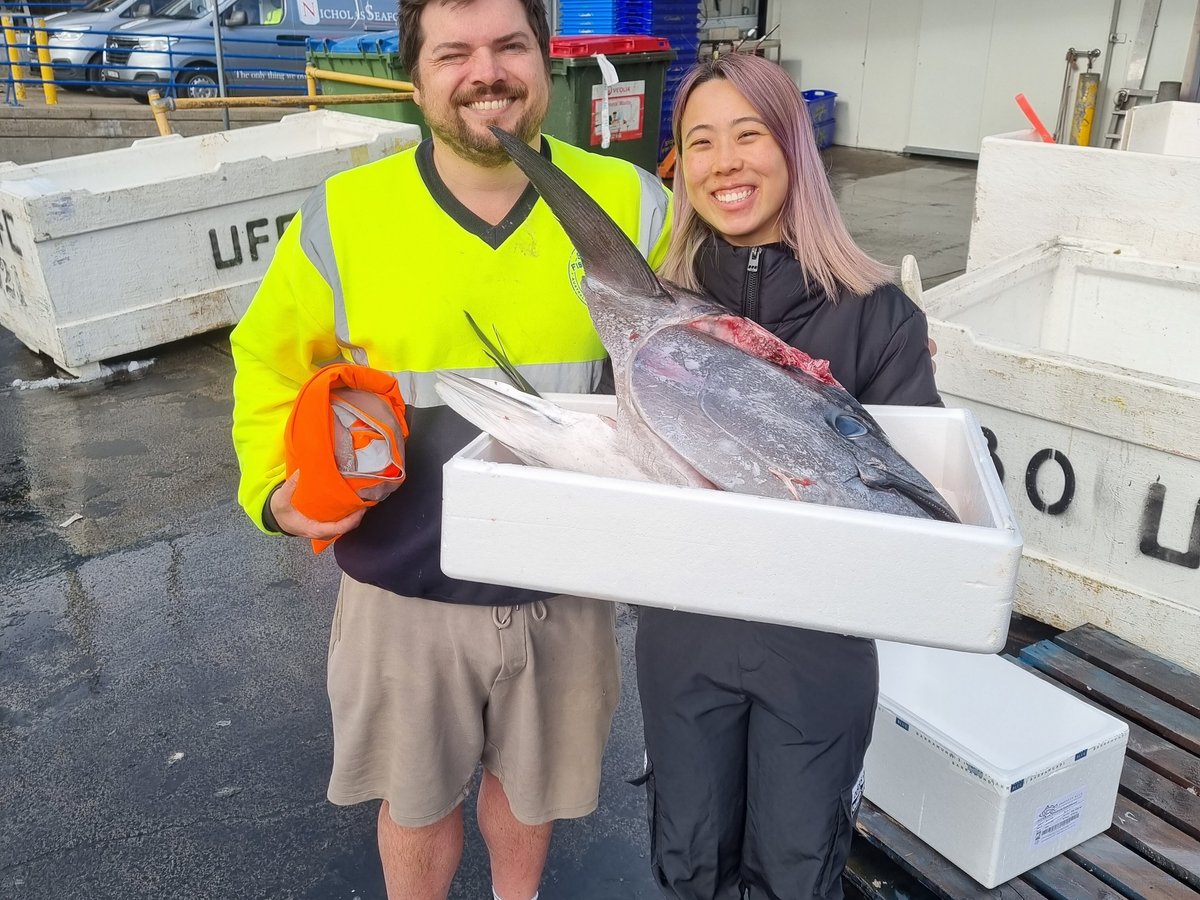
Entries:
{"x":576,"y":88}
{"x":375,"y":55}
{"x":634,"y":102}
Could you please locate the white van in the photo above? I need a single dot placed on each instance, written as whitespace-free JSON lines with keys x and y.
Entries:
{"x":263,"y":44}
{"x":76,"y":38}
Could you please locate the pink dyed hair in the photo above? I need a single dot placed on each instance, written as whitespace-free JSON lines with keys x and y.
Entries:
{"x":810,"y":223}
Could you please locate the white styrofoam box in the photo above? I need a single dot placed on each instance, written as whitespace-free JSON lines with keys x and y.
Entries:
{"x":720,"y":553}
{"x":113,"y":252}
{"x":991,"y":766}
{"x":1028,"y":192}
{"x":1172,"y":128}
{"x":1081,"y":360}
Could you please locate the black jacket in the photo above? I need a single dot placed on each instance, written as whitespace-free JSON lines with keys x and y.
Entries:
{"x":876,"y":345}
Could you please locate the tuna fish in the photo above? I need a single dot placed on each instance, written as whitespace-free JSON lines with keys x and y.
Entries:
{"x":707,"y":397}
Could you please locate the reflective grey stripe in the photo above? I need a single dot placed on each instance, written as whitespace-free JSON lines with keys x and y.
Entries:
{"x":653,"y":216}
{"x":317,"y":244}
{"x":568,"y":378}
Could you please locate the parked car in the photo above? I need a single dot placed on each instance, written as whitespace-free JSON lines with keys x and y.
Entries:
{"x":76,"y":38}
{"x":263,"y":44}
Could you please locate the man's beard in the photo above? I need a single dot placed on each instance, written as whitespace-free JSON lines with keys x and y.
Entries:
{"x":483,"y":149}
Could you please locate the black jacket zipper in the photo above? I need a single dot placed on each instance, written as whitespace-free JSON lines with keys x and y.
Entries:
{"x":750,"y":289}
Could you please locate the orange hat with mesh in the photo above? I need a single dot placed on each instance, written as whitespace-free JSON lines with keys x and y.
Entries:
{"x":346,"y":434}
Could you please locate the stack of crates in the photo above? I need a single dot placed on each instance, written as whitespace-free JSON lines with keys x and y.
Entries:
{"x":583,"y":17}
{"x":820,"y":106}
{"x":679,"y":22}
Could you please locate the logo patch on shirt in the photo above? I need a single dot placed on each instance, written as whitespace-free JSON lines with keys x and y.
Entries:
{"x":575,"y":274}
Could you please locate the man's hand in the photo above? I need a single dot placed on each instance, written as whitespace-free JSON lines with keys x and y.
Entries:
{"x":933,"y":353}
{"x":295,"y":522}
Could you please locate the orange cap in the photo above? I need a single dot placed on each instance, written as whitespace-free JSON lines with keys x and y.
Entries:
{"x":346,"y":433}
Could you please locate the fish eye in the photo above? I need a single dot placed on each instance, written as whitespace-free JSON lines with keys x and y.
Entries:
{"x":848,"y":426}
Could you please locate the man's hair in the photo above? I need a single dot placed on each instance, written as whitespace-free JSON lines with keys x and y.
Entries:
{"x":809,"y":222}
{"x":411,"y":37}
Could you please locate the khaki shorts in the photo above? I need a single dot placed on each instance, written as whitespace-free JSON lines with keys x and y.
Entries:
{"x":423,"y":691}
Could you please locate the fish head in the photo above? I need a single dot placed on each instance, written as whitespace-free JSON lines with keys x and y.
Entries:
{"x":869,"y":465}
{"x":751,"y":426}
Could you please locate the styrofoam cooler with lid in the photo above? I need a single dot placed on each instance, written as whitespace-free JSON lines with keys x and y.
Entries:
{"x":990,"y":765}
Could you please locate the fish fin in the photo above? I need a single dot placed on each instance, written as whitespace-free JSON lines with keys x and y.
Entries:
{"x":497,"y":354}
{"x":609,"y":257}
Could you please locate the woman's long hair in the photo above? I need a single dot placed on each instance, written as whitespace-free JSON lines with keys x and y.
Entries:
{"x":810,"y":223}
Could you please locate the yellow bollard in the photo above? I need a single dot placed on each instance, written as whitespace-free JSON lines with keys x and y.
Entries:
{"x":49,"y":88}
{"x":312,"y":90}
{"x":14,"y":56}
{"x":159,"y":106}
{"x":1084,"y":113}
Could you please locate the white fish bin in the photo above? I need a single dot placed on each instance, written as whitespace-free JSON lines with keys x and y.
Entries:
{"x":991,"y":766}
{"x":1028,"y":192}
{"x":1082,"y":362}
{"x":110,"y":253}
{"x":833,"y":569}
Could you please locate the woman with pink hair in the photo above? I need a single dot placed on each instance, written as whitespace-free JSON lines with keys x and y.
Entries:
{"x":755,"y":733}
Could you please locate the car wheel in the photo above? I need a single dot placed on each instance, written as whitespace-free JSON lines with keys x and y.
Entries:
{"x":92,"y":73}
{"x":199,"y":83}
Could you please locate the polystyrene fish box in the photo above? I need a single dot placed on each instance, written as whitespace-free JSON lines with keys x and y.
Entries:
{"x":994,"y":768}
{"x":708,"y":551}
{"x":110,"y":253}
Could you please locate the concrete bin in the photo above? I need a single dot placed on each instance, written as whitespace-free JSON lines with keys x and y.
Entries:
{"x":1027,"y":192}
{"x":114,"y":252}
{"x":1080,"y":360}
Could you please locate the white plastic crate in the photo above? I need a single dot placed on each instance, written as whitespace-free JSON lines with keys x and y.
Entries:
{"x":720,"y":553}
{"x":994,"y":768}
{"x":113,"y":252}
{"x":1081,"y":360}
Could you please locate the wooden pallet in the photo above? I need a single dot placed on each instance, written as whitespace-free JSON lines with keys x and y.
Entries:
{"x":1152,"y":849}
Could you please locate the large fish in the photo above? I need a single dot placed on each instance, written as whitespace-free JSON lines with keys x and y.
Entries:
{"x":705,"y":396}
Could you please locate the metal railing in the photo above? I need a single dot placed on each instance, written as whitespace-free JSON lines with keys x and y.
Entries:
{"x":123,"y":62}
{"x":395,"y":91}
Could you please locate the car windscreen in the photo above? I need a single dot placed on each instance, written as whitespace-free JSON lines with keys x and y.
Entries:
{"x":97,"y":6}
{"x":184,"y":9}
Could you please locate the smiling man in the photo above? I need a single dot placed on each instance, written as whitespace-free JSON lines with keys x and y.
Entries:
{"x":430,"y":676}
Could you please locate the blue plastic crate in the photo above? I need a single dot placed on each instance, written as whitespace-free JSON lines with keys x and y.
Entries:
{"x":823,"y":132}
{"x":820,"y":105}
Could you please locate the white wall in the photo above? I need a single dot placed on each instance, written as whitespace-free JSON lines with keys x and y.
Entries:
{"x":941,"y":74}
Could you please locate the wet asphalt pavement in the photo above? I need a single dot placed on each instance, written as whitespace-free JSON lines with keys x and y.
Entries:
{"x":164,"y":728}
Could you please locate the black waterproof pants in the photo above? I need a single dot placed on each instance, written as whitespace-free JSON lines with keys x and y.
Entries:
{"x":756,"y":736}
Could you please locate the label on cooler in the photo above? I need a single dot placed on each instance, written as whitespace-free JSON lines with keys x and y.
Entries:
{"x":1055,"y":819}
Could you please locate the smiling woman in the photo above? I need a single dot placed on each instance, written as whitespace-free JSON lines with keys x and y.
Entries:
{"x":756,"y":733}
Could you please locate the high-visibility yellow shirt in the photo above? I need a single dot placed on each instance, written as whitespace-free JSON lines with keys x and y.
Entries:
{"x":378,"y":267}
